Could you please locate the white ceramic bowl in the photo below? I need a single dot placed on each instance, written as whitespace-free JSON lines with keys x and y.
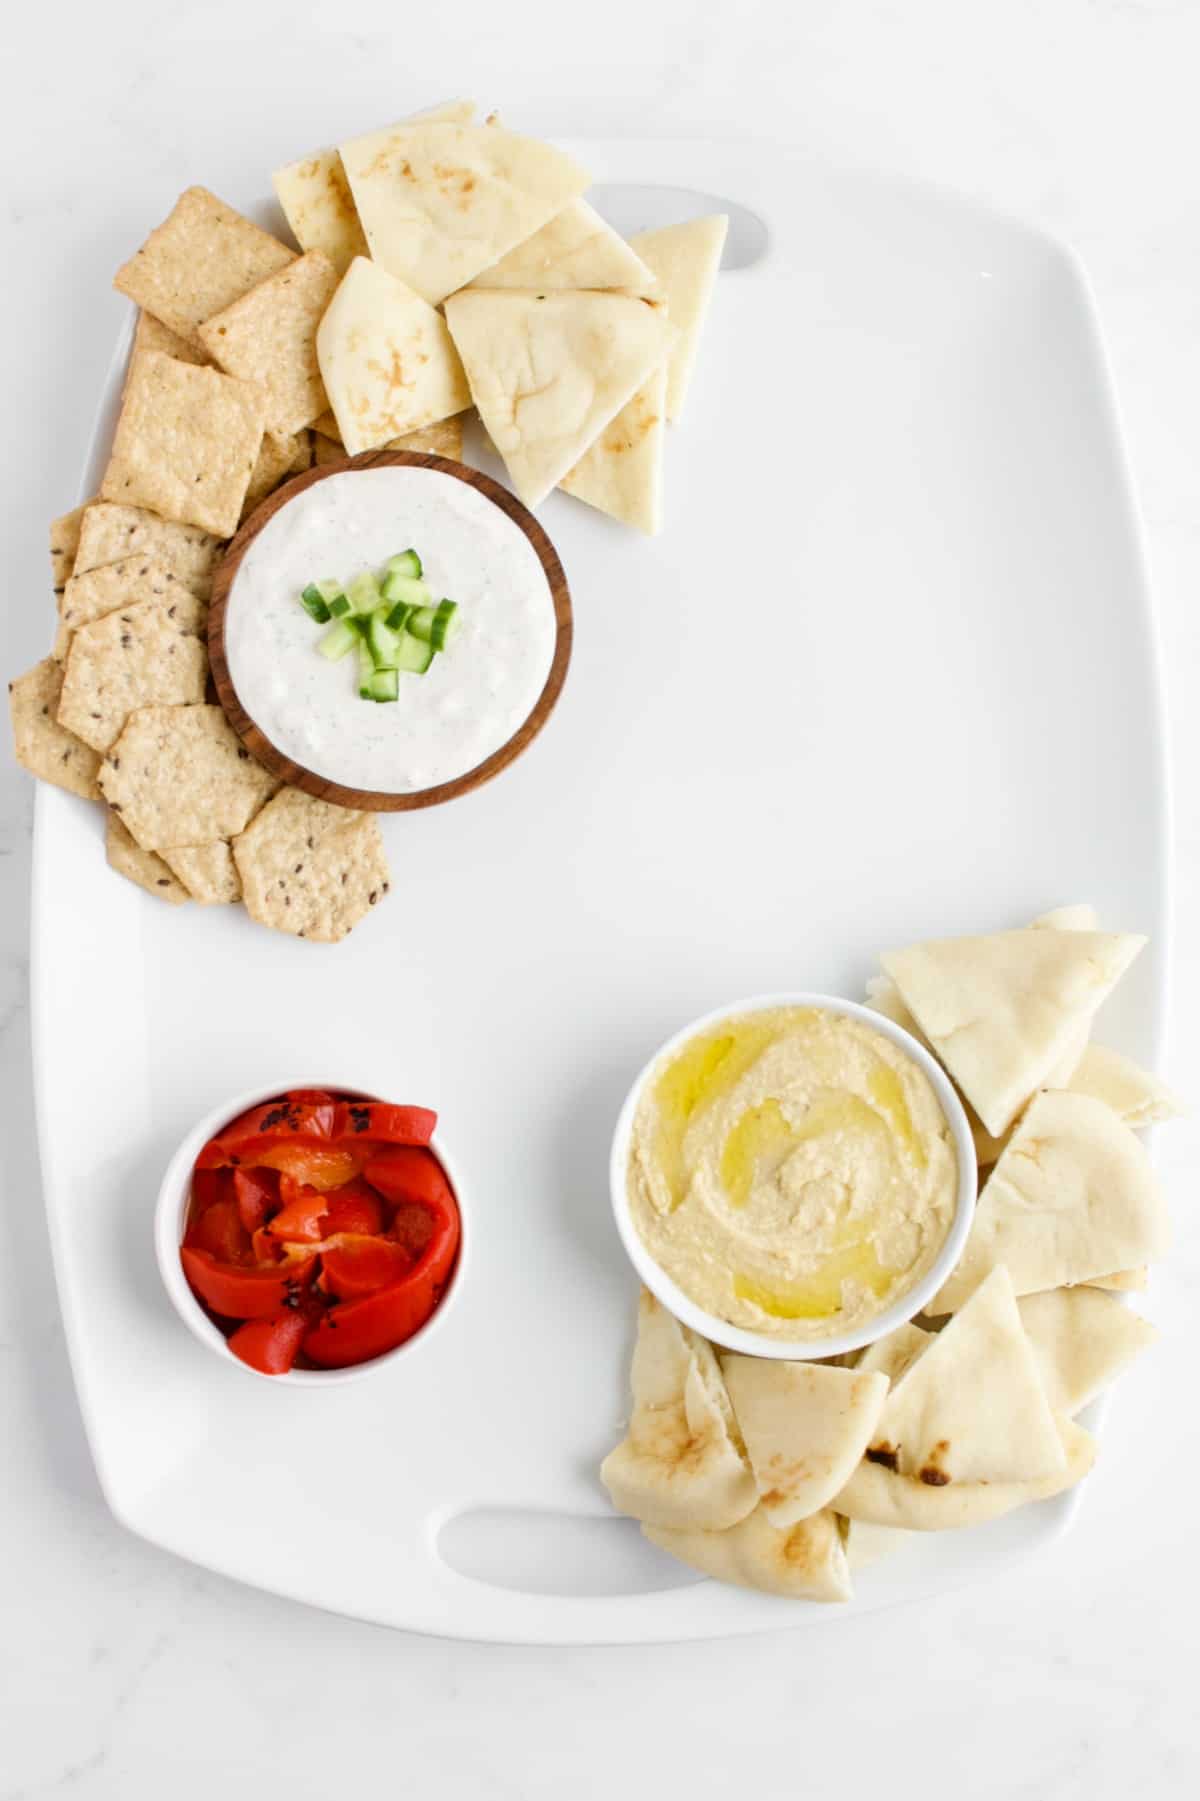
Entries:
{"x":171,"y":1213}
{"x":757,"y":1344}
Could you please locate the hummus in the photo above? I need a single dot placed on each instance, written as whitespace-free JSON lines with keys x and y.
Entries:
{"x":792,"y":1171}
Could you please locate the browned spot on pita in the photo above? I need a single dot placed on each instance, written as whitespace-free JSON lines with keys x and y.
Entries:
{"x":888,"y":1455}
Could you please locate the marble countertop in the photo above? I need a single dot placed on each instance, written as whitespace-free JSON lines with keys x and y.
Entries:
{"x":123,"y":1670}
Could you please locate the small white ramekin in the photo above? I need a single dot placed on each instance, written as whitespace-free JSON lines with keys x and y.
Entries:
{"x":758,"y":1344}
{"x":170,"y":1216}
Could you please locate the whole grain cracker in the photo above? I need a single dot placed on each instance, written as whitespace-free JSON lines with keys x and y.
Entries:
{"x":43,"y":747}
{"x":127,"y":857}
{"x":141,"y":656}
{"x":151,"y":334}
{"x":186,"y":443}
{"x":112,"y":532}
{"x":269,"y":337}
{"x":64,"y":544}
{"x":278,"y":458}
{"x":311,"y":868}
{"x":207,"y":871}
{"x":202,"y":258}
{"x":179,"y":776}
{"x":98,"y":592}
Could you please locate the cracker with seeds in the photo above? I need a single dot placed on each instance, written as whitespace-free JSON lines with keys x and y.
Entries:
{"x":151,"y":334}
{"x":110,"y":533}
{"x":178,"y":776}
{"x":64,"y":544}
{"x":269,"y":337}
{"x":98,"y":592}
{"x":278,"y":458}
{"x":138,"y":657}
{"x":127,"y":857}
{"x":311,"y":868}
{"x":202,"y":258}
{"x":43,"y":747}
{"x":207,"y":871}
{"x":186,"y":443}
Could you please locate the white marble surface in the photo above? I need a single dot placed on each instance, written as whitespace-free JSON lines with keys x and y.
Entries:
{"x":123,"y":1671}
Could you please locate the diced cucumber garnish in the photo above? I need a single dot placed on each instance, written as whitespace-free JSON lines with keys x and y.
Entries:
{"x":407,"y":588}
{"x":413,"y":655}
{"x":363,"y":593}
{"x":434,"y":624}
{"x":390,"y":618}
{"x":339,"y":640}
{"x":315,"y":604}
{"x":382,"y":642}
{"x":407,"y":563}
{"x":397,"y":619}
{"x":383,"y":685}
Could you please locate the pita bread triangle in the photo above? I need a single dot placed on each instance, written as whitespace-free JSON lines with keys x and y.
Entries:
{"x":549,"y":371}
{"x":685,"y":259}
{"x":971,"y":1408}
{"x":680,"y":1464}
{"x":1001,"y":1010}
{"x":805,"y":1427}
{"x":1135,"y":1095}
{"x":805,"y":1562}
{"x":575,"y":249}
{"x":441,"y":202}
{"x":621,"y":473}
{"x":1081,"y":1339}
{"x":1073,"y":1197}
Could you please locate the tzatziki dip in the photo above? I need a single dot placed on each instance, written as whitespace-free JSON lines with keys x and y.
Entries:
{"x":473,"y":697}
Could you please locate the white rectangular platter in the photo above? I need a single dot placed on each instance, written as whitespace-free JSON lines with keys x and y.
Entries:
{"x":889,"y":672}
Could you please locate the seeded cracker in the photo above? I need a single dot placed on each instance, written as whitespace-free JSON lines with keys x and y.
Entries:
{"x":202,"y":258}
{"x":64,"y":542}
{"x":269,"y":337}
{"x":98,"y":592}
{"x":111,"y":532}
{"x":311,"y":868}
{"x":152,"y":334}
{"x":207,"y":871}
{"x":127,"y":857}
{"x":177,"y":775}
{"x":137,"y":657}
{"x":43,"y":747}
{"x":186,"y":443}
{"x":278,"y":458}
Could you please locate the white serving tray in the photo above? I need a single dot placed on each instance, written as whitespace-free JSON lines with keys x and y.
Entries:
{"x":890,"y":671}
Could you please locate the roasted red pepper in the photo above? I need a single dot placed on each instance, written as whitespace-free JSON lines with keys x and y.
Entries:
{"x":353,"y":1331}
{"x":353,"y":1267}
{"x":270,"y":1345}
{"x":257,"y":1193}
{"x":244,"y":1293}
{"x":220,"y":1232}
{"x":377,"y":1120}
{"x":353,"y":1208}
{"x":301,"y":1215}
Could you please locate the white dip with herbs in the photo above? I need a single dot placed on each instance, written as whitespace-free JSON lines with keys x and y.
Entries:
{"x":479,"y":690}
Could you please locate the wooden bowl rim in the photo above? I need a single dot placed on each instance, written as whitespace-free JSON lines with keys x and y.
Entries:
{"x":377,"y":800}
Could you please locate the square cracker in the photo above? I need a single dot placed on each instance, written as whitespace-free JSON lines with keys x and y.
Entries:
{"x":151,"y":334}
{"x":127,"y":857}
{"x":207,"y":871}
{"x":111,"y":533}
{"x":43,"y":747}
{"x":201,"y":259}
{"x":311,"y":868}
{"x":269,"y":337}
{"x":98,"y":592}
{"x":186,"y":443}
{"x":277,"y":459}
{"x":139,"y":656}
{"x":64,"y":544}
{"x":178,"y":776}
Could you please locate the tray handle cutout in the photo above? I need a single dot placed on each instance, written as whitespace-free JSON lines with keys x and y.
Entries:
{"x":535,"y":1551}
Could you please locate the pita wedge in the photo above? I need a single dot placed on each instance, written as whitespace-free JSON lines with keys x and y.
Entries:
{"x":1000,"y":1011}
{"x":1122,"y":1281}
{"x":896,"y":1353}
{"x":805,"y":1426}
{"x":867,"y":1543}
{"x":680,"y":1464}
{"x":971,"y":1408}
{"x":1135,"y":1096}
{"x":387,"y":360}
{"x":1081,"y":1339}
{"x":549,"y":372}
{"x":621,"y":473}
{"x":883,"y":1497}
{"x":1073,"y":1197}
{"x":806,"y":1562}
{"x":441,"y":202}
{"x":685,"y":259}
{"x":575,"y":249}
{"x":1079,"y":917}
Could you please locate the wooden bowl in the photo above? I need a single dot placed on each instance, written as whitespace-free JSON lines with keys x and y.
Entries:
{"x":376,"y":800}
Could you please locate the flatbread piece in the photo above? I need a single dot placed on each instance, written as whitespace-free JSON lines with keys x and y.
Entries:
{"x":574,"y":249}
{"x":621,"y":472}
{"x":805,"y":1426}
{"x":805,"y":1562}
{"x":684,"y":259}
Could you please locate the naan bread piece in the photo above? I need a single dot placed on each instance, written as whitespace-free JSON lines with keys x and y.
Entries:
{"x":681,"y":1464}
{"x":806,"y":1562}
{"x":1073,"y":1197}
{"x":548,"y":372}
{"x":685,"y":259}
{"x":805,"y":1427}
{"x":386,"y":359}
{"x":575,"y":249}
{"x":1135,"y":1095}
{"x":1081,"y":1339}
{"x":1122,"y":1281}
{"x":895,"y":1354}
{"x":1000,"y":1011}
{"x":621,"y":473}
{"x":971,"y":1408}
{"x":881,"y":1496}
{"x":440,"y":203}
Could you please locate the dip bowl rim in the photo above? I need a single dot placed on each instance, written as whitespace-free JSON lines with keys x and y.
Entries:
{"x":381,"y":800}
{"x":906,"y":1305}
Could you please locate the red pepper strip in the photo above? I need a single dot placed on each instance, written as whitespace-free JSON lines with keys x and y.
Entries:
{"x":267,"y":1249}
{"x":243,"y":1293}
{"x":257,"y":1193}
{"x":301,"y":1214}
{"x":358,"y":1266}
{"x":322,"y":1166}
{"x":220,"y":1232}
{"x":391,"y":1125}
{"x":354,"y":1331}
{"x":310,"y":1097}
{"x":409,"y":1174}
{"x":208,"y":1185}
{"x":281,"y":1118}
{"x":354,"y":1208}
{"x":271,"y":1344}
